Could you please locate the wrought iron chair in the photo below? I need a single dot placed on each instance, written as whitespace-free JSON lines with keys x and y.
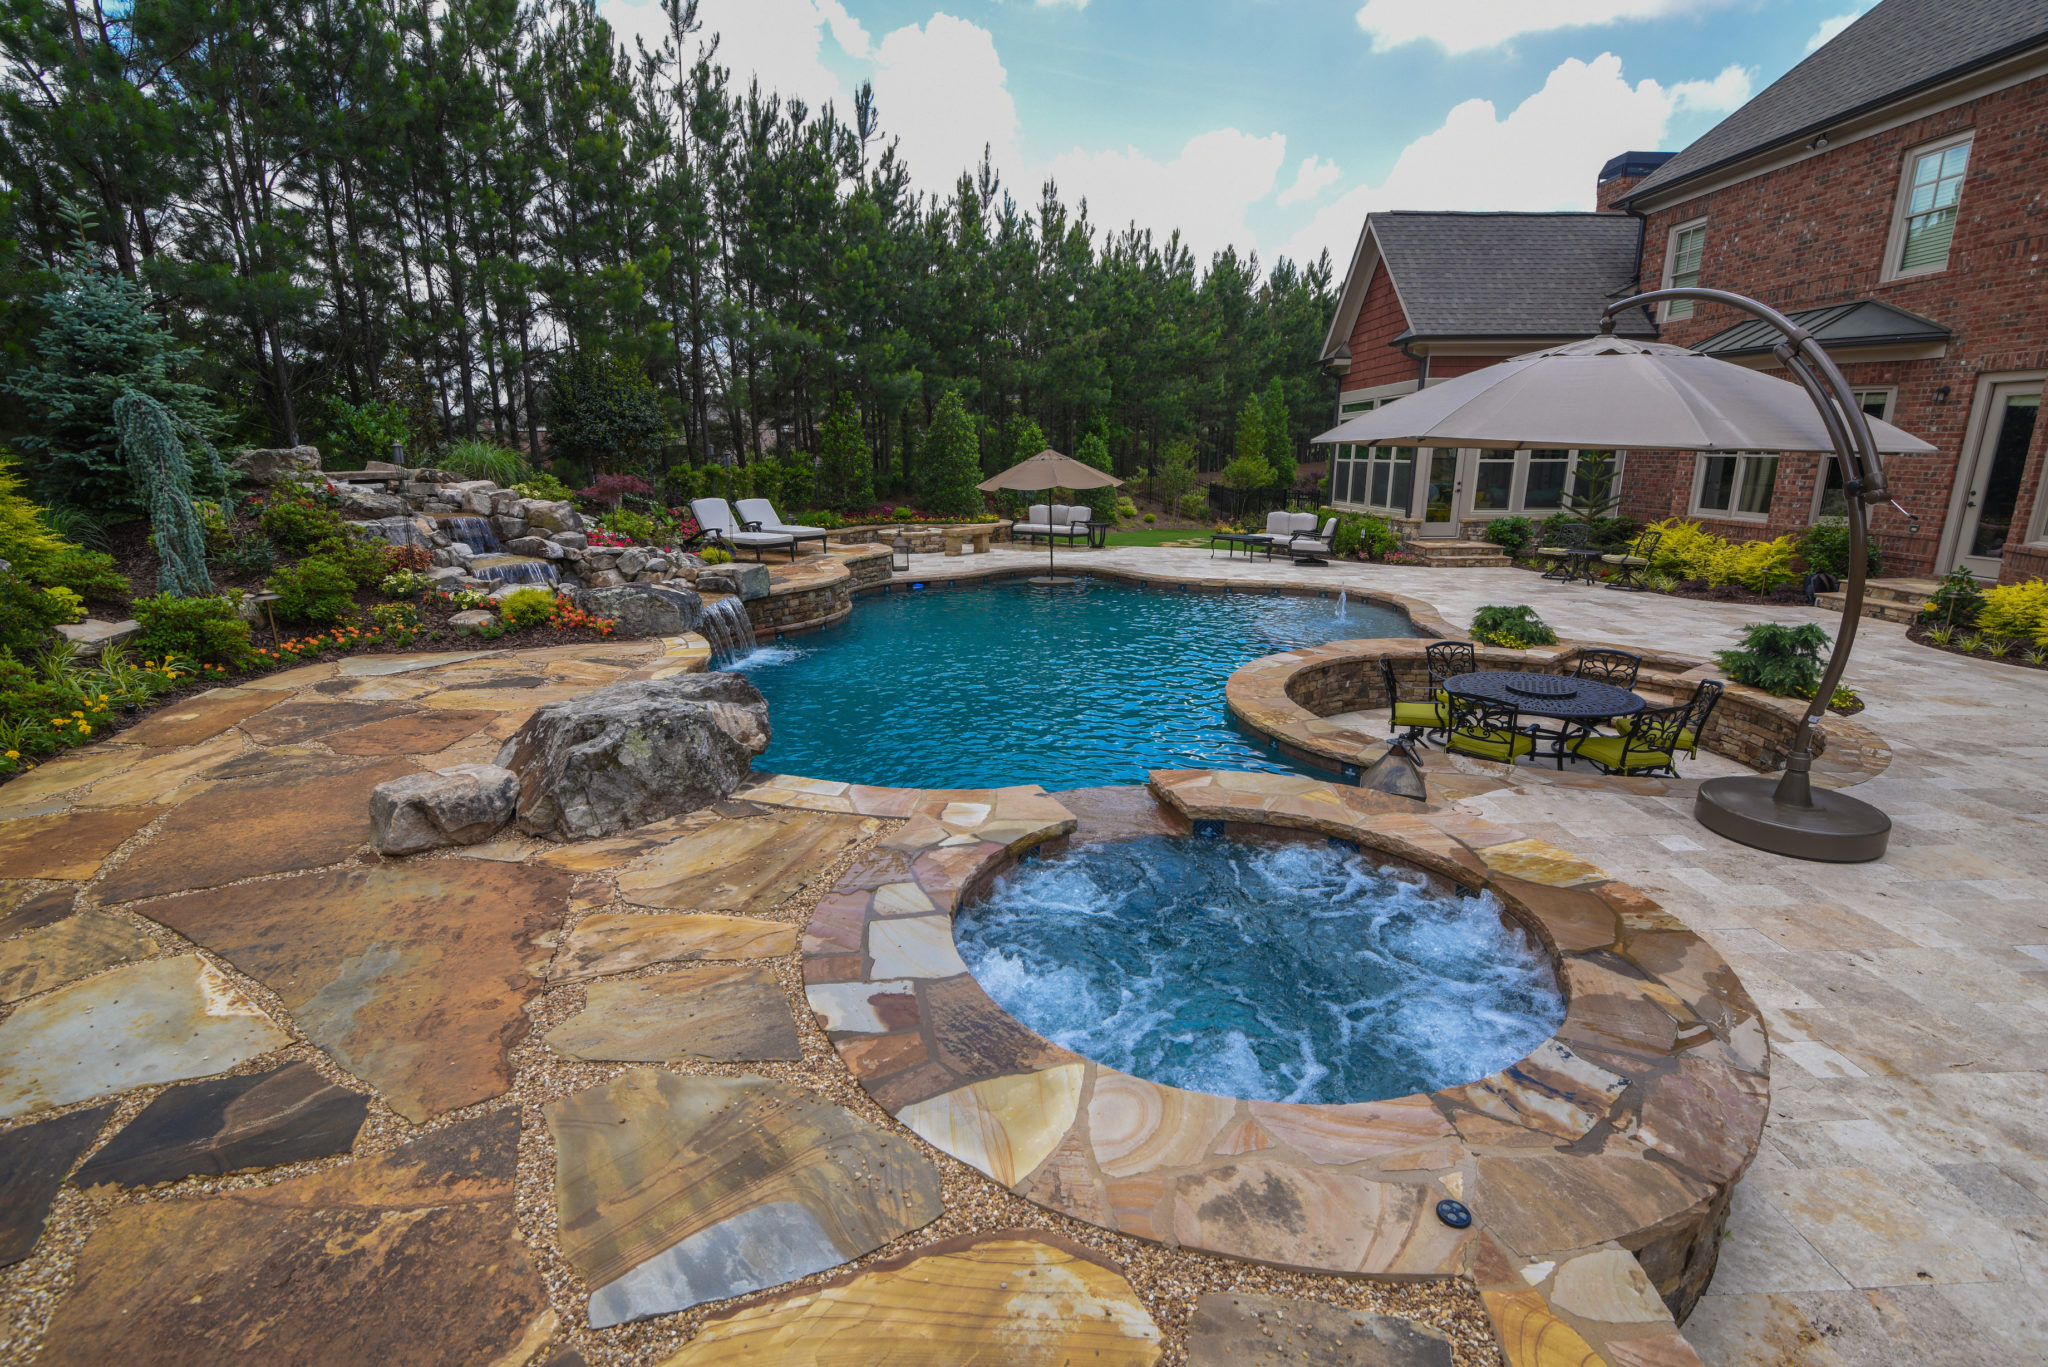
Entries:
{"x":1416,"y":718}
{"x":1448,"y":658}
{"x":1647,"y":746}
{"x":1565,"y":548}
{"x":1634,"y":563}
{"x":1608,"y":666}
{"x":1703,"y":701}
{"x":1485,"y":729}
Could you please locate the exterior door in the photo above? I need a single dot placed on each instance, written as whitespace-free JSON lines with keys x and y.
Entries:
{"x":1441,"y":492}
{"x":1997,"y":464}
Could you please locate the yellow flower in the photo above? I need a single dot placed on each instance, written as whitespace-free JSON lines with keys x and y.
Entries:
{"x":14,"y":754}
{"x":84,"y":730}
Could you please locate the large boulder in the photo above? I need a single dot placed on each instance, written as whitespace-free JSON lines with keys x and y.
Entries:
{"x":462,"y":805}
{"x":644,"y":609}
{"x":632,"y":753}
{"x":748,"y":582}
{"x":401,"y":531}
{"x":553,"y":517}
{"x":373,"y":503}
{"x":278,"y":465}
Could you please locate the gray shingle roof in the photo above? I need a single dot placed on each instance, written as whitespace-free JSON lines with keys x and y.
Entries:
{"x":1510,"y":275}
{"x":1897,"y":48}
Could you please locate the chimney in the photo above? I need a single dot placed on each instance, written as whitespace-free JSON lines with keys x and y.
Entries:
{"x":1623,"y":173}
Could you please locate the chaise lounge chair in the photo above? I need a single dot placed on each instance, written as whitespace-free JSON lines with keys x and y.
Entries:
{"x":758,"y":514}
{"x":714,"y":517}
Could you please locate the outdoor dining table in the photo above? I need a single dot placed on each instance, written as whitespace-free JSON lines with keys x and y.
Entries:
{"x":1558,"y":696}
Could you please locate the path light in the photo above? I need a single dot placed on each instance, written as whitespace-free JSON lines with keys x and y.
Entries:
{"x":899,"y":553}
{"x":1397,"y":773}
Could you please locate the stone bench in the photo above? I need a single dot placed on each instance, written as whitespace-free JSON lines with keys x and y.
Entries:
{"x":967,"y":540}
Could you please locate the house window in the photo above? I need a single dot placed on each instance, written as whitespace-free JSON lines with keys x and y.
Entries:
{"x":1381,"y":477}
{"x":1929,"y":202}
{"x":1831,"y":501}
{"x":1549,"y":471}
{"x":1534,"y":482}
{"x":1736,"y":486}
{"x":1688,"y":243}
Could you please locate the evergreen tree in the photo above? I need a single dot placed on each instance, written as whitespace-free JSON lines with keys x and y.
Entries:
{"x":951,"y":465}
{"x":846,"y":469}
{"x":602,"y":413}
{"x":1279,"y":433}
{"x":1251,"y":431}
{"x":156,"y":463}
{"x":1094,"y":452}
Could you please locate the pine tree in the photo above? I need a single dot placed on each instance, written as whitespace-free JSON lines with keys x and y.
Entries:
{"x":846,"y":469}
{"x":1279,"y":432}
{"x":951,"y":466}
{"x":1251,"y":431}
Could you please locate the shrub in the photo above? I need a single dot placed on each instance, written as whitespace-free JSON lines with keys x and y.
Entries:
{"x":473,"y":459}
{"x":544,"y":486}
{"x":1515,"y":627}
{"x":524,"y":608}
{"x":1362,"y":533}
{"x":1825,"y":548}
{"x":903,"y":514}
{"x":296,"y":522}
{"x":2016,"y":610}
{"x":316,"y":590}
{"x":466,"y":600}
{"x":1689,"y":551}
{"x":203,"y":630}
{"x":360,"y":433}
{"x":1779,"y":659}
{"x":1193,"y":505}
{"x":627,"y":523}
{"x":1151,"y":517}
{"x":408,"y":557}
{"x":611,"y":490}
{"x":1956,"y":602}
{"x":248,"y":555}
{"x":1512,"y":534}
{"x":397,"y":622}
{"x":27,"y":541}
{"x":1760,"y":566}
{"x":1125,"y":509}
{"x":405,"y":584}
{"x":361,"y":557}
{"x":716,"y":555}
{"x":29,"y":615}
{"x":603,"y":410}
{"x":89,"y":574}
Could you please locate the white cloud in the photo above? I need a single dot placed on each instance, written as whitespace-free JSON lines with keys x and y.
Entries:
{"x":941,"y":89}
{"x":1825,"y":34}
{"x":1459,"y":26}
{"x":1205,"y":191}
{"x":780,"y":41}
{"x":1314,"y":177}
{"x":1544,"y":155}
{"x":1069,"y":4}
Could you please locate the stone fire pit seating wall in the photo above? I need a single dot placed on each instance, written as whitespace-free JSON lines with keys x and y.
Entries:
{"x":632,"y":753}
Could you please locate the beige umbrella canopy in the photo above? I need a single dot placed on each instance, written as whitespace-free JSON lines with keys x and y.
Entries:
{"x":1049,"y":470}
{"x":1611,"y":392}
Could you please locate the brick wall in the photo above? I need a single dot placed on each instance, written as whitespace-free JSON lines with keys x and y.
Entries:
{"x":1815,"y":233}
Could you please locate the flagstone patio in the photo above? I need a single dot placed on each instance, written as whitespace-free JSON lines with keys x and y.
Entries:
{"x":270,"y":1094}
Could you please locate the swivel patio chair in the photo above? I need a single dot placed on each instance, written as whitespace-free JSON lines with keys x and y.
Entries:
{"x":1703,"y":701}
{"x":1416,"y":718}
{"x":1485,"y":729}
{"x":1634,"y":563}
{"x":1565,"y":548}
{"x":1607,"y":666}
{"x":1447,"y":658}
{"x":1309,"y":548}
{"x":1647,"y":747}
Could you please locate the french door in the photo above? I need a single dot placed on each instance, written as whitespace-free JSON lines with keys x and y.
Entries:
{"x":1994,"y":471}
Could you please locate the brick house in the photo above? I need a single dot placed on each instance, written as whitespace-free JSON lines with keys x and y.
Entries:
{"x":1890,"y":193}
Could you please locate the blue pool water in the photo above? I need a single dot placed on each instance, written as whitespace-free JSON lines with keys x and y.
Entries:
{"x":1275,"y":972}
{"x":1009,"y":683}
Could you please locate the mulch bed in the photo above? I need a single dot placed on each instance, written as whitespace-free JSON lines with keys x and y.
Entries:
{"x":1917,"y":633}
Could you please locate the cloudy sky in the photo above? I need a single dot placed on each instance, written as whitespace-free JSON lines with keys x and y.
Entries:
{"x":1274,"y":124}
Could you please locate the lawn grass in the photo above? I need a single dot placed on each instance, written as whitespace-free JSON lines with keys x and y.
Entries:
{"x":1155,"y":536}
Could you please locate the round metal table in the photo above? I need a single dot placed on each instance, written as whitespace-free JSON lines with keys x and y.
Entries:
{"x":1549,"y":695}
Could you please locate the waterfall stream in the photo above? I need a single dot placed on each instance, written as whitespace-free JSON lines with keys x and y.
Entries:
{"x":729,"y":629}
{"x":474,"y":532}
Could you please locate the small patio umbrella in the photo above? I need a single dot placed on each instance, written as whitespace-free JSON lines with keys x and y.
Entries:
{"x":1049,"y":470}
{"x":1611,"y":392}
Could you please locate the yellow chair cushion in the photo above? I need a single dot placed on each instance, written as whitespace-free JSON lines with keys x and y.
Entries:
{"x":1490,"y":745}
{"x":1686,"y":739}
{"x":1553,"y":550}
{"x":1427,"y":714}
{"x":1606,"y":751}
{"x":1624,"y":560}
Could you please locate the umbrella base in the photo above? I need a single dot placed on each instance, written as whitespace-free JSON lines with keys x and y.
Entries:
{"x":1836,"y":829}
{"x":1052,"y":580}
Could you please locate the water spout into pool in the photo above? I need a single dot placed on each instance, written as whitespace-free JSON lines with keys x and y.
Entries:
{"x":729,"y":630}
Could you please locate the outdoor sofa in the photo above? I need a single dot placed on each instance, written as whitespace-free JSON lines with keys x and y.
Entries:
{"x":1052,"y":520}
{"x":758,"y":514}
{"x":716,"y":522}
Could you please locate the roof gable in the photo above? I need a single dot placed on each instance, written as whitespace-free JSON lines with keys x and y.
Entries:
{"x":1895,"y":50}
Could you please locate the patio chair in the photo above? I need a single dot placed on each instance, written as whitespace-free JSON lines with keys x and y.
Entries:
{"x":1416,"y":718}
{"x":1703,"y":700}
{"x":758,"y":514}
{"x":1616,"y":667}
{"x":715,"y":517}
{"x":1448,"y":658}
{"x":1485,"y":729}
{"x":1279,"y":530}
{"x":1036,"y":522}
{"x":1633,"y":563}
{"x":1564,"y":548}
{"x":1310,"y":549}
{"x":1649,"y":744}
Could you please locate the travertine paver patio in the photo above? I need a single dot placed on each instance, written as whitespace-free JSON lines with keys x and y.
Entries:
{"x":1896,"y":1211}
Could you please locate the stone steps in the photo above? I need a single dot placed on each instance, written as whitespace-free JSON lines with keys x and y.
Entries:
{"x":1457,"y":554}
{"x":1887,"y":600}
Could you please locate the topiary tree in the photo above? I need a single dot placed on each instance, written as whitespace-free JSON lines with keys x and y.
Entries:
{"x":602,"y":413}
{"x":1094,"y":453}
{"x":846,"y":470}
{"x":951,"y":464}
{"x":101,"y":343}
{"x":156,"y":463}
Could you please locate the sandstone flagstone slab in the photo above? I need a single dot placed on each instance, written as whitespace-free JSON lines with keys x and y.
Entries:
{"x":200,"y":717}
{"x":165,"y":776}
{"x":413,"y":976}
{"x":411,"y":1257}
{"x":33,"y":1161}
{"x":752,"y":864}
{"x":1005,"y":1126}
{"x":1276,"y":1212}
{"x":727,"y":1013}
{"x":420,"y":733}
{"x":222,"y":1125}
{"x":1027,"y":1299}
{"x":275,"y":824}
{"x":69,"y":845}
{"x":314,"y":718}
{"x":1532,"y":1336}
{"x":38,"y":789}
{"x":57,"y":954}
{"x":672,"y":1191}
{"x":1238,"y":1329}
{"x":139,"y":1026}
{"x":618,"y":942}
{"x":34,"y":910}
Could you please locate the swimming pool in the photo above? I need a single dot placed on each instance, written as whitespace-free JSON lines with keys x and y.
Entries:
{"x":1072,"y":687}
{"x":1289,"y":971}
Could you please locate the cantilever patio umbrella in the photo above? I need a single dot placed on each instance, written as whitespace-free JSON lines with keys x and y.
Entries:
{"x":1049,"y":470}
{"x":1610,"y":392}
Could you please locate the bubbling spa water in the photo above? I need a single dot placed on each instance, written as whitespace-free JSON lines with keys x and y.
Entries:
{"x":1276,"y":972}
